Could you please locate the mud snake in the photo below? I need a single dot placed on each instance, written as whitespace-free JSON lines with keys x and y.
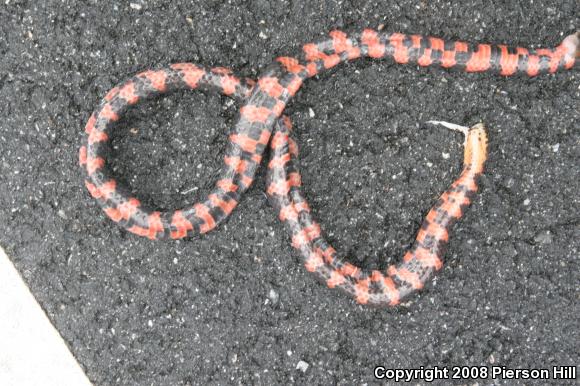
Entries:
{"x":263,"y":103}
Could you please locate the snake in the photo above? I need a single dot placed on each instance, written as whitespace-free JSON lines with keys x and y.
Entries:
{"x":260,"y":115}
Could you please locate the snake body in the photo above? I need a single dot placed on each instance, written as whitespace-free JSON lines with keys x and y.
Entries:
{"x":263,"y":103}
{"x":116,"y":200}
{"x":423,"y":259}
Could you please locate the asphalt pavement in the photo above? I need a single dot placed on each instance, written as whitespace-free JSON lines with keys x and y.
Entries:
{"x":236,"y":306}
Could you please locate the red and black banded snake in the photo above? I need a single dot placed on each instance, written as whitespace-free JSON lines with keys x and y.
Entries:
{"x":260,"y":115}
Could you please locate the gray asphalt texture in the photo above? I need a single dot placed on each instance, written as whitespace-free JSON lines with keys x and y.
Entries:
{"x":237,"y":306}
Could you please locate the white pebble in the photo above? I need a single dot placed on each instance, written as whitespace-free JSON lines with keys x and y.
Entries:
{"x":445,"y":155}
{"x":526,"y":202}
{"x":311,"y":112}
{"x":555,"y":147}
{"x":135,"y":6}
{"x":302,"y":366}
{"x":273,"y":295}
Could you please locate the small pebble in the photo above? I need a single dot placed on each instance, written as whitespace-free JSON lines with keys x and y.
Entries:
{"x":135,"y":6}
{"x":302,"y":366}
{"x":544,"y":237}
{"x":273,"y":295}
{"x":311,"y":113}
